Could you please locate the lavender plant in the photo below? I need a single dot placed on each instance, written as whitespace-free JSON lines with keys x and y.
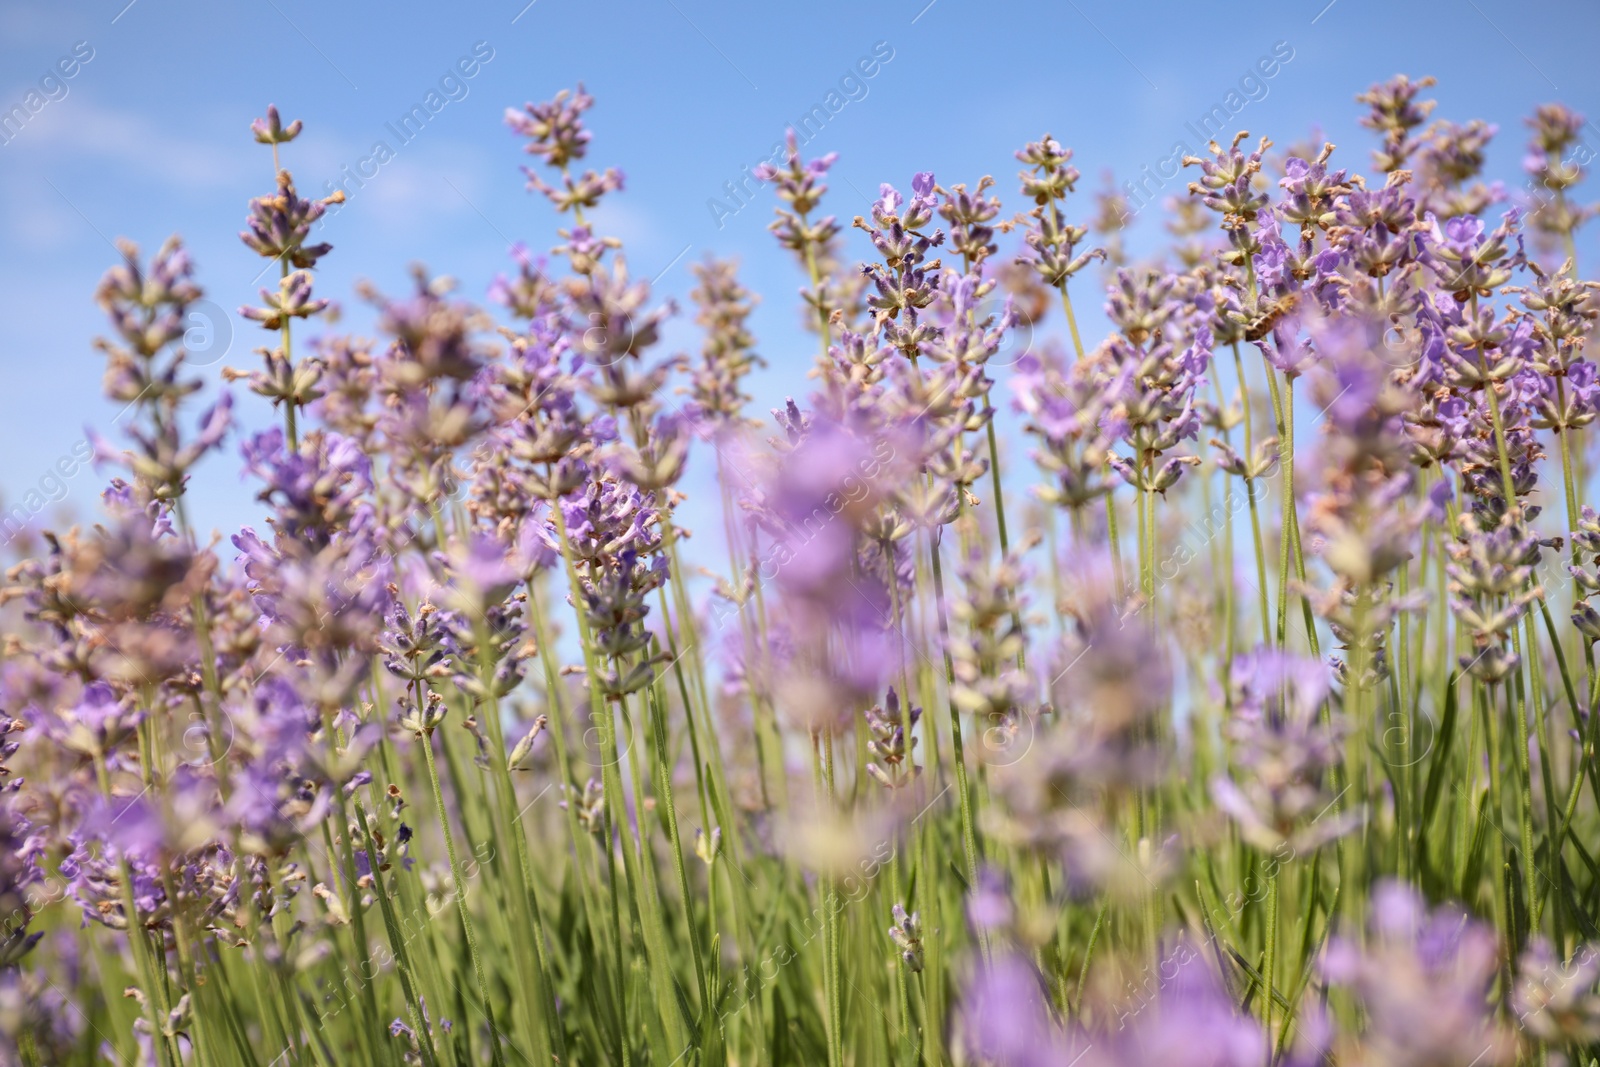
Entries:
{"x":1269,"y":744}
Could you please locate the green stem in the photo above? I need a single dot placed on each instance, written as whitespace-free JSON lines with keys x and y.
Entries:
{"x":969,"y":835}
{"x":495,"y":1052}
{"x":397,"y":944}
{"x":1269,"y":966}
{"x":288,"y":360}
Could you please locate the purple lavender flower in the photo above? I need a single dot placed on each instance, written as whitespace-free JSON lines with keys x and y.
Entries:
{"x":814,"y":241}
{"x":271,"y":129}
{"x":989,"y":906}
{"x":1051,"y":240}
{"x":37,"y":1015}
{"x":1282,"y":748}
{"x":1451,"y":157}
{"x":554,"y":130}
{"x":906,"y":933}
{"x":968,"y":214}
{"x":1008,"y":1019}
{"x":96,"y":726}
{"x":556,"y":133}
{"x":149,"y":309}
{"x":1395,"y":113}
{"x":318,"y":490}
{"x":893,"y":742}
{"x":1423,"y":978}
{"x":1191,"y":1021}
{"x":727,"y":356}
{"x":1556,"y":1002}
{"x":1469,"y":259}
{"x":1556,"y":128}
{"x":280,"y":224}
{"x":1226,"y":186}
{"x":19,"y":870}
{"x":990,"y":642}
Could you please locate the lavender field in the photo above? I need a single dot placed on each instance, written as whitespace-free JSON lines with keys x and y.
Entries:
{"x":1215,"y":686}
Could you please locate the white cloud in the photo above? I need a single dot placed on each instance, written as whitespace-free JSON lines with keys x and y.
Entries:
{"x":78,"y":127}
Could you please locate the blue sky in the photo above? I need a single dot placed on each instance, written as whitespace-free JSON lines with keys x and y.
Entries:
{"x":150,"y":136}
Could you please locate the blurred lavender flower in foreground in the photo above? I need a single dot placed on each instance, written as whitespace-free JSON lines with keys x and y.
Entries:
{"x":1423,"y":978}
{"x":1282,"y":748}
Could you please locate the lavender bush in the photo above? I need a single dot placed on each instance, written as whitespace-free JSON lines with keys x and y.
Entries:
{"x":1262,"y":731}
